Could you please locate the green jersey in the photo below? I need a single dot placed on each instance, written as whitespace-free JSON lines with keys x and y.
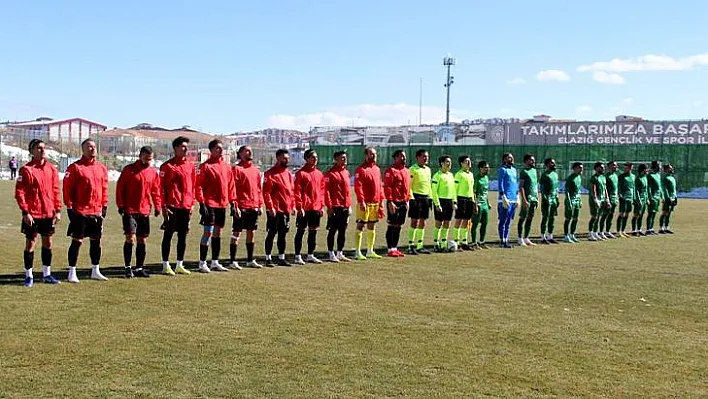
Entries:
{"x":481,"y":190}
{"x":625,"y":186}
{"x":529,"y":179}
{"x":641,"y":191}
{"x":420,"y":180}
{"x":573,"y":185}
{"x":611,"y":179}
{"x":549,"y":185}
{"x":654,"y":186}
{"x":443,"y":187}
{"x":464,"y":183}
{"x":668,"y":185}
{"x":599,"y":182}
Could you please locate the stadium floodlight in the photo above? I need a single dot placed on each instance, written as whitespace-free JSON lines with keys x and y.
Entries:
{"x":448,"y":62}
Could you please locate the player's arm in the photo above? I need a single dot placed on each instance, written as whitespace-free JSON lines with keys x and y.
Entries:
{"x":156,"y":195}
{"x":104,"y":192}
{"x":164,"y":178}
{"x":434,"y":187}
{"x":298,"y":191}
{"x":359,"y":189}
{"x":56,"y":196}
{"x":327,"y":183}
{"x":20,"y":194}
{"x":522,"y":191}
{"x":267,"y":195}
{"x":199,"y":184}
{"x":68,"y":186}
{"x":120,"y":191}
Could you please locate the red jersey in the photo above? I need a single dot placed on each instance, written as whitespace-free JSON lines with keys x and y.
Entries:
{"x":397,"y":184}
{"x":215,"y":183}
{"x":248,"y":183}
{"x":278,"y":189}
{"x":86,"y":186}
{"x":367,"y":184}
{"x":177,"y":178}
{"x":37,"y":189}
{"x":138,"y":183}
{"x":337,"y":188}
{"x":309,"y":189}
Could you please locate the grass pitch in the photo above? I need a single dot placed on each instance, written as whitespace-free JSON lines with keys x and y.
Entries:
{"x":626,"y":317}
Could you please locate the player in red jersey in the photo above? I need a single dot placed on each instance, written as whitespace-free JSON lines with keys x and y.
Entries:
{"x":86,"y":199}
{"x":137,"y":185}
{"x":247,"y":205}
{"x":338,"y":200}
{"x":214,"y":191}
{"x":369,"y":195}
{"x":397,"y":190}
{"x":309,"y":202}
{"x":37,"y":194}
{"x":279,"y":202}
{"x":177,"y":180}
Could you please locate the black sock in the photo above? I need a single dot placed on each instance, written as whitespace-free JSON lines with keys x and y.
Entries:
{"x":527,"y":226}
{"x":298,"y":241}
{"x":566,"y":227}
{"x":203,"y":250}
{"x":269,"y":242}
{"x":181,"y":244}
{"x":330,"y":239}
{"x":46,"y":256}
{"x":341,"y":238}
{"x":232,"y":251}
{"x":389,"y":237}
{"x":74,"y":253}
{"x":166,"y":244}
{"x":95,"y":252}
{"x":127,"y":253}
{"x":520,"y":227}
{"x":281,"y":242}
{"x":140,"y":252}
{"x":311,"y":241}
{"x":396,"y":236}
{"x":215,"y":248}
{"x":249,"y":251}
{"x":662,"y":218}
{"x":29,"y":259}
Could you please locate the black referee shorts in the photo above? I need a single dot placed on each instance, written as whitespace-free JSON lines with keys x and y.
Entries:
{"x":465,"y":208}
{"x":339,"y":219}
{"x":248,"y":221}
{"x":446,"y":213}
{"x":399,"y":216}
{"x":44,"y":227}
{"x":176,"y":220}
{"x":311,"y":220}
{"x":419,"y":207}
{"x":136,"y":224}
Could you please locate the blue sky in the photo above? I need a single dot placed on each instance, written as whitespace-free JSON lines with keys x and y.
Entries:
{"x":224,"y":66}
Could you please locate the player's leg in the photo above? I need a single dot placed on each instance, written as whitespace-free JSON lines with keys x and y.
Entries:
{"x":568,"y":216}
{"x":140,"y":254}
{"x":436,"y":231}
{"x":47,"y":244}
{"x":552,"y":214}
{"x":342,"y":235}
{"x":445,"y":234}
{"x":331,"y":235}
{"x":530,"y":213}
{"x":592,"y":222}
{"x":28,"y":255}
{"x":236,"y":229}
{"x":300,"y":228}
{"x":424,"y":213}
{"x":219,"y":223}
{"x":207,"y":220}
{"x":574,"y":221}
{"x":94,"y":231}
{"x":283,"y":228}
{"x":545,"y":209}
{"x":313,"y":225}
{"x":168,"y":231}
{"x":523,"y":214}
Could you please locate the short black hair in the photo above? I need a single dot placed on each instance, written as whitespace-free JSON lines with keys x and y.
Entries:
{"x":443,"y":158}
{"x":420,"y":152}
{"x":612,"y":163}
{"x":281,"y":151}
{"x":655,"y":165}
{"x":368,"y":149}
{"x":179,"y":140}
{"x":527,"y":157}
{"x":576,"y":165}
{"x":667,"y":166}
{"x":88,"y":140}
{"x":506,"y":154}
{"x":628,"y":164}
{"x":33,"y":143}
{"x":483,"y":164}
{"x":547,"y":161}
{"x":308,"y":153}
{"x":338,"y":154}
{"x":598,"y":164}
{"x":396,"y":154}
{"x":145,"y":150}
{"x":642,"y":167}
{"x":214,"y":143}
{"x":462,"y":158}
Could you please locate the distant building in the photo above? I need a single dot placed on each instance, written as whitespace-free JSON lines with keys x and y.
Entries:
{"x":71,"y":130}
{"x":628,"y":118}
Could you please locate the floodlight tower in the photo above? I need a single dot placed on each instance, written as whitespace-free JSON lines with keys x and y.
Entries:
{"x":448,"y":62}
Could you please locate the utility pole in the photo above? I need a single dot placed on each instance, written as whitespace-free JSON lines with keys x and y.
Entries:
{"x":448,"y":62}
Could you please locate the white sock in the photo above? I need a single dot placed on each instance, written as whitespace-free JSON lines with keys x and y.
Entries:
{"x":331,"y":254}
{"x":28,"y":273}
{"x":46,"y":271}
{"x":96,"y":268}
{"x":72,"y":269}
{"x":214,"y":262}
{"x":281,"y":256}
{"x":268,"y":257}
{"x":165,"y":264}
{"x":340,"y":253}
{"x":180,"y":263}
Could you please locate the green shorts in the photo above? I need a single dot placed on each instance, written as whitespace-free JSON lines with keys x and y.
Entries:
{"x":640,"y":207}
{"x":654,"y":207}
{"x":598,"y":211}
{"x":668,"y":206}
{"x":483,"y":209}
{"x":549,"y":206}
{"x":572,"y":209}
{"x":625,"y":206}
{"x":530,"y":211}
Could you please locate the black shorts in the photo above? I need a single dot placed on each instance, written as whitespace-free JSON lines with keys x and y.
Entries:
{"x":214,"y":217}
{"x":446,"y":213}
{"x":419,"y":207}
{"x":43,"y":227}
{"x":339,"y":219}
{"x":398,"y":217}
{"x":248,"y":220}
{"x":81,"y":226}
{"x":280,"y":222}
{"x":311,"y":220}
{"x":136,"y":224}
{"x":177,"y":221}
{"x":465,"y":208}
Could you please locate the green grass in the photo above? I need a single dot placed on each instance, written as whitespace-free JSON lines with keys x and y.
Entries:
{"x":620,"y":318}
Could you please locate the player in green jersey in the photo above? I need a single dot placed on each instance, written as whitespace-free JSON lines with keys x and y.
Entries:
{"x":573,"y":202}
{"x":548,"y":184}
{"x":480,"y":218}
{"x":641,"y":196}
{"x":464,"y":184}
{"x":612,"y":194}
{"x":528,"y":195}
{"x":668,"y":185}
{"x":625,"y":191}
{"x":656,"y":195}
{"x":444,"y":202}
{"x":599,"y":202}
{"x":420,"y":202}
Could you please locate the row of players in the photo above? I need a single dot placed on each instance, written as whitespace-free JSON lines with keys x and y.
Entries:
{"x":459,"y":201}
